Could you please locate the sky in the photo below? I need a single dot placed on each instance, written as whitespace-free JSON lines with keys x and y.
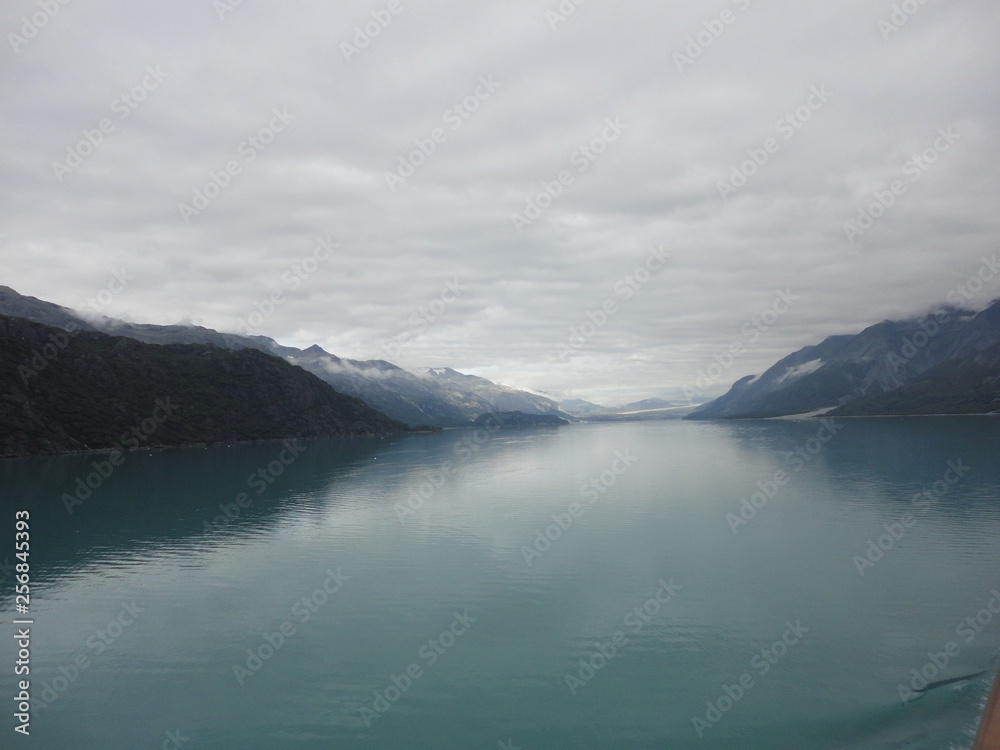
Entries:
{"x":608,"y":201}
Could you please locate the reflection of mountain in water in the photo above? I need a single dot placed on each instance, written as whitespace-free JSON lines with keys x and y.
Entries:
{"x":169,"y":495}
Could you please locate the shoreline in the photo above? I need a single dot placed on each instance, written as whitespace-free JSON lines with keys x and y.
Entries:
{"x":216,"y":444}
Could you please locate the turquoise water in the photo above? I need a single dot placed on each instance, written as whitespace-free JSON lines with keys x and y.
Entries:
{"x":593,"y":586}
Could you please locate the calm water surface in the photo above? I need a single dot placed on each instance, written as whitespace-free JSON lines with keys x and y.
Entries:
{"x":594,"y":586}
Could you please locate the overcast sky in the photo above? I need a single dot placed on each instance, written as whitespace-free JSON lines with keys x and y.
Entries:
{"x":737,"y":137}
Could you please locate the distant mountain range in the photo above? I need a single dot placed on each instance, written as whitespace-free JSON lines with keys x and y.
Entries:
{"x":519,"y":419}
{"x":946,"y":362}
{"x":439,"y":397}
{"x":650,"y":408}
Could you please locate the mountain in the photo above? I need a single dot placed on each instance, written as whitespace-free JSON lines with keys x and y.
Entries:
{"x":580,"y":408}
{"x":647,"y":404}
{"x":91,"y":391}
{"x":840,"y":369}
{"x":968,"y":385}
{"x":650,"y":408}
{"x":518,"y":419}
{"x":439,"y":398}
{"x":21,"y":306}
{"x":476,"y":394}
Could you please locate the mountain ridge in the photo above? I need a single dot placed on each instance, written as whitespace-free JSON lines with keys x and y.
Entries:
{"x":841,"y":369}
{"x":83,"y":391}
{"x":443,"y":400}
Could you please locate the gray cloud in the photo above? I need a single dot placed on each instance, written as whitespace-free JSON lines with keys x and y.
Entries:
{"x":349,"y":122}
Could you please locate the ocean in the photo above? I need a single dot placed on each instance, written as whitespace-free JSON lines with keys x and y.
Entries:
{"x":754,"y":584}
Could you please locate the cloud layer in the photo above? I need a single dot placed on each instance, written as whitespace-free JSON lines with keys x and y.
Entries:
{"x":481,"y":186}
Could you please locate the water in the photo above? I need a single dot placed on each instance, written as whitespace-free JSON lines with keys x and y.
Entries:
{"x":160,"y":622}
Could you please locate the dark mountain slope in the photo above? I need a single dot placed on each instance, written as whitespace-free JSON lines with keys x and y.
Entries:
{"x":969,"y":385}
{"x":880,"y":359}
{"x":85,"y":391}
{"x":442,"y":397}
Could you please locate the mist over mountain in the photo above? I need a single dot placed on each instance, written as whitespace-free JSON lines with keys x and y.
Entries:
{"x":648,"y":408}
{"x":66,"y":391}
{"x":441,"y":397}
{"x":848,"y":369}
{"x":846,"y":372}
{"x":17,"y":305}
